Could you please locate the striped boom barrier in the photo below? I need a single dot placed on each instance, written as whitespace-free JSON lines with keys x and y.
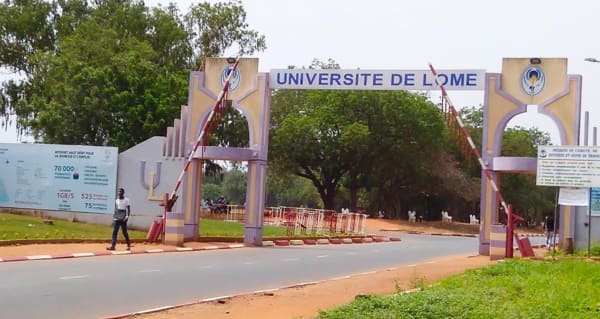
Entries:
{"x":472,"y":146}
{"x":219,"y":106}
{"x":484,"y":168}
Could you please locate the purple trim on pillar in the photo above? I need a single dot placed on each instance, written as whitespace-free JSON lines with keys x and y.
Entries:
{"x":265,"y":113}
{"x":253,"y":236}
{"x":255,"y":202}
{"x":191,"y":223}
{"x":577,"y":108}
{"x":483,"y":241}
{"x":230,"y":153}
{"x":183,"y":115}
{"x":484,"y":248}
{"x":586,"y":128}
{"x":173,"y":229}
{"x":498,"y":243}
{"x":513,"y":163}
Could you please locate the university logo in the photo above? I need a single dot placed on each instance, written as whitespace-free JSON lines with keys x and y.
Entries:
{"x":533,"y":80}
{"x":235,"y":80}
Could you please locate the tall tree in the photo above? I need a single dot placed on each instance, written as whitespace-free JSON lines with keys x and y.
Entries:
{"x":112,"y":72}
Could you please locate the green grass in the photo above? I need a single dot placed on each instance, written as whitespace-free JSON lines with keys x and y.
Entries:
{"x":15,"y":227}
{"x":512,"y":289}
{"x":219,"y":228}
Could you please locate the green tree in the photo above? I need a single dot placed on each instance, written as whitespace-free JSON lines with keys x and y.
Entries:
{"x":375,"y":141}
{"x":111,"y":72}
{"x":291,"y":190}
{"x":520,"y":190}
{"x":234,"y":186}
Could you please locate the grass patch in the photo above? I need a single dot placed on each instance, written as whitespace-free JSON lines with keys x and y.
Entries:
{"x":219,"y":228}
{"x":15,"y":227}
{"x":512,"y":289}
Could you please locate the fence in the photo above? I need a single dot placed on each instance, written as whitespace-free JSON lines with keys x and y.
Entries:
{"x":297,"y":220}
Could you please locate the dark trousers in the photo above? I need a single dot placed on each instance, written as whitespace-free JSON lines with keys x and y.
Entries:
{"x":123,"y":225}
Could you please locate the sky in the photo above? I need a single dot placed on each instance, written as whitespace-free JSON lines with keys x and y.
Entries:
{"x":403,"y":35}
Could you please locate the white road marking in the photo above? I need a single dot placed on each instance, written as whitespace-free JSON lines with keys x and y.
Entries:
{"x":290,"y":259}
{"x":73,"y":277}
{"x":207,"y":267}
{"x":149,"y":270}
{"x":36,"y":257}
{"x":411,"y":265}
{"x":83,"y":254}
{"x":250,"y":263}
{"x":339,"y":278}
{"x":322,"y":256}
{"x":215,"y":298}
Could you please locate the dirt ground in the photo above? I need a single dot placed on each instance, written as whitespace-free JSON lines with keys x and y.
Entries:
{"x":306,"y":301}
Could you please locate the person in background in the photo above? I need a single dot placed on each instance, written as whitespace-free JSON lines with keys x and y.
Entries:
{"x":549,"y":231}
{"x":120,"y":218}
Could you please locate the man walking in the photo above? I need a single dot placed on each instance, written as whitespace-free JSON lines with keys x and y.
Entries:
{"x":122,"y":212}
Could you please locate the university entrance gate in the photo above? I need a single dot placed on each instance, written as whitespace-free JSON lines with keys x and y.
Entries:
{"x":523,"y":81}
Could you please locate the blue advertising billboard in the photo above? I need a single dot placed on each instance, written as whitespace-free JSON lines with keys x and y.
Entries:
{"x":58,"y":177}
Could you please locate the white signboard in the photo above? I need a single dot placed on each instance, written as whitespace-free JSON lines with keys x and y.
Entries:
{"x":573,"y":196}
{"x":58,"y":177}
{"x":331,"y":79}
{"x":568,"y":166}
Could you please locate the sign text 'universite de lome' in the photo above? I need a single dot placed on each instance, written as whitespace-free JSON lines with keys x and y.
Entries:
{"x":333,"y":79}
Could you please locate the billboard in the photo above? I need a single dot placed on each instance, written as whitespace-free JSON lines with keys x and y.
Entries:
{"x":58,"y":177}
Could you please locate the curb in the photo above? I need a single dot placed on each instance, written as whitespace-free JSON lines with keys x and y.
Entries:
{"x":268,"y":292}
{"x":120,"y":252}
{"x":265,"y":243}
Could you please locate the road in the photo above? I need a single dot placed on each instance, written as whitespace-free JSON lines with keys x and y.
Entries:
{"x":104,"y":286}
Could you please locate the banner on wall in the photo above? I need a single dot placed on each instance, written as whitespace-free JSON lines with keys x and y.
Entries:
{"x":58,"y":177}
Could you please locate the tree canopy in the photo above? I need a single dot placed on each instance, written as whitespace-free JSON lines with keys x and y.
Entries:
{"x":108,"y":72}
{"x":381,"y":147}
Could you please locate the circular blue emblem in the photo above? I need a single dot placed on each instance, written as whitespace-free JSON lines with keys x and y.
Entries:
{"x":533,"y":80}
{"x":235,"y":80}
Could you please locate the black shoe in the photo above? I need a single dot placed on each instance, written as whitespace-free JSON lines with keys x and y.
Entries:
{"x":110,"y":248}
{"x":128,"y":247}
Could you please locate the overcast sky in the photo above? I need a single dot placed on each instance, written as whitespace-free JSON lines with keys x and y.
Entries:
{"x":401,"y":35}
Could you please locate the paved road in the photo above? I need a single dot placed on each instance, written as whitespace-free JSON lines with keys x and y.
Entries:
{"x":103,"y":286}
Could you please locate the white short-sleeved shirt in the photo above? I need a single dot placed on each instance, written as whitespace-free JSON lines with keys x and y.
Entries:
{"x":122,"y":203}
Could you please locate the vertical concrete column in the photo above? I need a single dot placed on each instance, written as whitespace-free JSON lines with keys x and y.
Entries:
{"x":255,"y":202}
{"x":174,"y":229}
{"x":498,"y":242}
{"x":192,"y":201}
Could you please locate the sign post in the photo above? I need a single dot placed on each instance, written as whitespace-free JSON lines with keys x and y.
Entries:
{"x":571,"y":166}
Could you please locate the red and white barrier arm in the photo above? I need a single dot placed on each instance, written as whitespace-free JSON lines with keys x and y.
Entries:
{"x":474,"y":150}
{"x":219,"y":104}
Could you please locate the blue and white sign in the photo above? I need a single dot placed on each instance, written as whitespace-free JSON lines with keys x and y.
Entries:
{"x":235,"y":80}
{"x":331,"y":79}
{"x":58,"y":177}
{"x":533,"y":80}
{"x":595,"y":201}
